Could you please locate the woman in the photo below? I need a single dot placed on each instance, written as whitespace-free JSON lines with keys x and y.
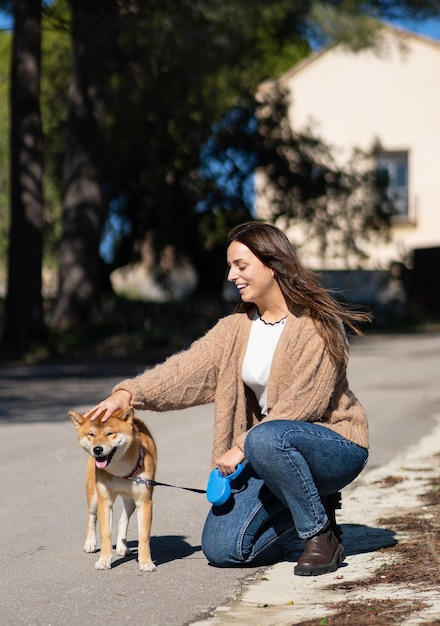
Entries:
{"x":276,"y":371}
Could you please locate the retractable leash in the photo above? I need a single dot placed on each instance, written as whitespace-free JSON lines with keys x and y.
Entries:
{"x":219,"y":487}
{"x":217,"y":492}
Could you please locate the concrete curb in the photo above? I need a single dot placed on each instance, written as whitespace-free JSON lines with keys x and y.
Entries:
{"x":278,"y":598}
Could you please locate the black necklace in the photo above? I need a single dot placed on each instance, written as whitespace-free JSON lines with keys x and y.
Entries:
{"x":272,"y":323}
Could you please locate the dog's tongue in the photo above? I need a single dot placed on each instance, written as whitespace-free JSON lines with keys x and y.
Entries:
{"x":101,"y":462}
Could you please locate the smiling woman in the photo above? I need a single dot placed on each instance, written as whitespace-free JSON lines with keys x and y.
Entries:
{"x":275,"y":370}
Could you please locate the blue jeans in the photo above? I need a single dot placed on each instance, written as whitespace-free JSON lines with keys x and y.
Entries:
{"x":288,"y":465}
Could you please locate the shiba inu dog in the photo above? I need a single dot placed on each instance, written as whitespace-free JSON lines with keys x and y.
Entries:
{"x":122,"y":462}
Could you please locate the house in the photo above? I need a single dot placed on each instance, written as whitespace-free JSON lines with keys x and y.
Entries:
{"x":390,"y":94}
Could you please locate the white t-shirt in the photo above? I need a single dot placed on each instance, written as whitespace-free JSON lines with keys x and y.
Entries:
{"x":261,"y":346}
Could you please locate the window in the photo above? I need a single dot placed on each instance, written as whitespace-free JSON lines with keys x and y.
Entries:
{"x":392,"y":181}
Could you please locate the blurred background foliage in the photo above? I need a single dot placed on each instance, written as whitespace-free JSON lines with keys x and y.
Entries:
{"x":149,"y":116}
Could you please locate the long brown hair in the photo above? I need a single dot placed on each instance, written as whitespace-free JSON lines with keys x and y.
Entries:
{"x":299,"y":285}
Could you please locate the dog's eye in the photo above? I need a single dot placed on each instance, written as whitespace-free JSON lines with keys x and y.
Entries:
{"x":110,"y":433}
{"x":91,"y":434}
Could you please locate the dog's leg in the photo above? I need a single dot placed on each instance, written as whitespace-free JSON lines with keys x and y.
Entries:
{"x":128,"y":506}
{"x":90,"y":543}
{"x":92,"y":503}
{"x":105,"y":504}
{"x":145,"y":518}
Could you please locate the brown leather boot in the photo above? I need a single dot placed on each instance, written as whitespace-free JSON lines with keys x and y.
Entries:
{"x":322,"y":554}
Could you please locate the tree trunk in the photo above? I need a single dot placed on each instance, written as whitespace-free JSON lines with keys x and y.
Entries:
{"x":24,"y":306}
{"x":80,"y":265}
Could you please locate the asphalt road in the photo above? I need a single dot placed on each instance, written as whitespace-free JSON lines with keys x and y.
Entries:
{"x":46,"y":579}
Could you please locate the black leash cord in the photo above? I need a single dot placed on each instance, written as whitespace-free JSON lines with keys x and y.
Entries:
{"x":155,"y":483}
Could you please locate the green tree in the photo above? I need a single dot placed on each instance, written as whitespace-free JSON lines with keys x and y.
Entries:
{"x":358,"y":23}
{"x":56,"y":72}
{"x":147,"y":91}
{"x":149,"y":81}
{"x":340,"y":209}
{"x":248,"y":41}
{"x":5,"y":66}
{"x":84,"y":208}
{"x":55,"y":77}
{"x":24,"y":311}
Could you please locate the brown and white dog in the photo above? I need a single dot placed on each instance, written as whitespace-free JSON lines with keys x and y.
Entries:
{"x":122,"y":462}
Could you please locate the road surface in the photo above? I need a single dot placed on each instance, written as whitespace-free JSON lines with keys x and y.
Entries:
{"x":46,"y":579}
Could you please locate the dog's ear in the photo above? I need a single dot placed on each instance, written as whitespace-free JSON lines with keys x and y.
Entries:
{"x":127,"y":414}
{"x":76,"y":418}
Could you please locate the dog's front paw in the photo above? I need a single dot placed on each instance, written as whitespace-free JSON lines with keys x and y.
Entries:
{"x":148,"y":566}
{"x":90,"y":546}
{"x":103,"y":564}
{"x":122,"y":549}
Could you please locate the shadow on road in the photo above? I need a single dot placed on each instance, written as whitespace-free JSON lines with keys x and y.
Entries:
{"x":164,"y":549}
{"x":358,"y":539}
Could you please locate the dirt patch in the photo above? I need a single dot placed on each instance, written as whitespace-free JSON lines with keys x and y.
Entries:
{"x":389,"y":481}
{"x":379,"y":612}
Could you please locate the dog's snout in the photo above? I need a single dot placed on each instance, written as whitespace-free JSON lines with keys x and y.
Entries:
{"x":98,"y":450}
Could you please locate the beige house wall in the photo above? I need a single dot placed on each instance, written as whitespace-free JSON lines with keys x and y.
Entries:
{"x":393,"y":95}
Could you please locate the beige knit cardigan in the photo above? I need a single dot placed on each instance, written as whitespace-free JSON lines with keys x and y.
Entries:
{"x":304,"y":383}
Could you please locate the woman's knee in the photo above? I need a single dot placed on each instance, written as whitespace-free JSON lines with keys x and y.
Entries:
{"x":258,"y":441}
{"x":213,"y":553}
{"x":218,"y":544}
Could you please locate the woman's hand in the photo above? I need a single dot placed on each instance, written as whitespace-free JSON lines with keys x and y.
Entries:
{"x":118,"y":400}
{"x":227,"y":463}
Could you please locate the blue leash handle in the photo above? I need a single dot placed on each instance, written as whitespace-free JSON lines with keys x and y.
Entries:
{"x":218,"y":490}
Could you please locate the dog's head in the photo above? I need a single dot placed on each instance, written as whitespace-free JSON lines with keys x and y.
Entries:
{"x":105,"y":440}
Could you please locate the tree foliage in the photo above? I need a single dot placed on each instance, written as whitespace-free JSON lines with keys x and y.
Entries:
{"x":341,"y":209}
{"x":148,"y":82}
{"x":155,"y":93}
{"x":56,"y":71}
{"x":84,"y":207}
{"x":338,"y":209}
{"x":170,"y":85}
{"x":358,"y":23}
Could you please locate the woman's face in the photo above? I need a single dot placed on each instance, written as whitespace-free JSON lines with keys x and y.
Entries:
{"x":255,"y":281}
